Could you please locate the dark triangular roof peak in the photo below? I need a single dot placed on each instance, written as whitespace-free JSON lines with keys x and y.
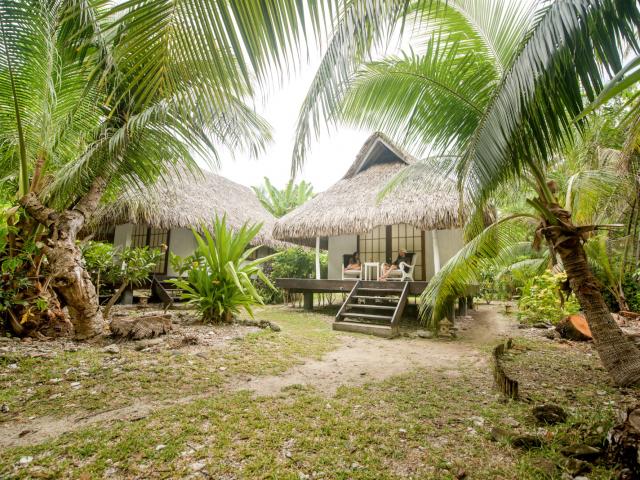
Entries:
{"x":378,"y":149}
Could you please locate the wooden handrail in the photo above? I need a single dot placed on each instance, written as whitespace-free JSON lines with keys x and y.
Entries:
{"x":395,"y":320}
{"x":344,"y":305}
{"x":158,"y":289}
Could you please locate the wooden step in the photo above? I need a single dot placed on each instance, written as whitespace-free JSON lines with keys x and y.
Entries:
{"x":375,"y":307}
{"x":373,"y":297}
{"x":370,"y":329}
{"x":374,"y":289}
{"x":367,"y":321}
{"x":367,"y":316}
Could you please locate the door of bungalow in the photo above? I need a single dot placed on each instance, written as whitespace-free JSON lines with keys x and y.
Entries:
{"x":382,"y":244}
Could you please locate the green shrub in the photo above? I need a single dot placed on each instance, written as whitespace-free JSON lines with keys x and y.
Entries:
{"x":270,"y":296}
{"x":294,"y":262}
{"x":541,"y":302}
{"x":24,"y":292}
{"x":219,"y":280}
{"x":112,"y":265}
{"x":297,"y":262}
{"x":100,"y":260}
{"x":123,"y":267}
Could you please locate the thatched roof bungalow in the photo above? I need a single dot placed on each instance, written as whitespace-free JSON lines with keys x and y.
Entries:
{"x":354,"y":218}
{"x":166,"y":212}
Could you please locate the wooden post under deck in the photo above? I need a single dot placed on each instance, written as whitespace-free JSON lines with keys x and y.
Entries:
{"x":462,"y":306}
{"x":307,"y":303}
{"x":451,"y":313}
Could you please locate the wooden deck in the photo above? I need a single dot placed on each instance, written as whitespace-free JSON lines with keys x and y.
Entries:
{"x":311,"y":285}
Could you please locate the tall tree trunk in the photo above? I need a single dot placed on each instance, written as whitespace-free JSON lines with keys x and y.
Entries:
{"x":70,"y":279}
{"x":619,"y":355}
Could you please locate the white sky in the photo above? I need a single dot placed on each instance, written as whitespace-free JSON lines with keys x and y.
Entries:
{"x":329,"y":158}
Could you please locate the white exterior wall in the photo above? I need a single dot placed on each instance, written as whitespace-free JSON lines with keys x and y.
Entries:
{"x":181,"y":243}
{"x":339,"y":246}
{"x":122,"y":235}
{"x":449,"y":243}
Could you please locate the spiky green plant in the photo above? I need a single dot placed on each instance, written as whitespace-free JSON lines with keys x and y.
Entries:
{"x":219,"y":282}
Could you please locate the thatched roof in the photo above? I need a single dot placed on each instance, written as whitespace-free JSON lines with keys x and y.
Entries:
{"x":187,"y":200}
{"x":351,"y":206}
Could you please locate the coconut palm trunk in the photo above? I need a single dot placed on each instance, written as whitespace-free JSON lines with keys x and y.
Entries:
{"x":619,"y":355}
{"x":69,"y":277}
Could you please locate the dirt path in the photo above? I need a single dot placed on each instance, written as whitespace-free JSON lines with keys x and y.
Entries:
{"x":361,"y":359}
{"x":358,"y":360}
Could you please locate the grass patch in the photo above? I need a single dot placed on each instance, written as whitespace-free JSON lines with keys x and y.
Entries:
{"x":89,"y":380}
{"x":427,"y":423}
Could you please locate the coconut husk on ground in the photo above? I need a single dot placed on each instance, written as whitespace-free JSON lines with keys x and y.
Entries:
{"x":137,"y":328}
{"x":623,"y":441}
{"x":575,"y":327}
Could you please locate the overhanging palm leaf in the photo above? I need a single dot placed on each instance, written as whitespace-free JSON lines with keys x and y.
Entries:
{"x":489,"y":248}
{"x":492,"y":28}
{"x":469,"y":28}
{"x":171,"y":44}
{"x":362,"y":25}
{"x":523,"y":125}
{"x":428,"y":102}
{"x":53,"y":114}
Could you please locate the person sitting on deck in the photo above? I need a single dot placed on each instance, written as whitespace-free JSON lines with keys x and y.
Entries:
{"x":354,"y":262}
{"x":387,"y":268}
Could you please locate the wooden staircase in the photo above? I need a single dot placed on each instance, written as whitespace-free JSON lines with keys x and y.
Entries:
{"x":374,"y":308}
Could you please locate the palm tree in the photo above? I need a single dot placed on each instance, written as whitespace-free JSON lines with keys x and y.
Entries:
{"x":492,"y":96}
{"x":98,"y":94}
{"x":280,"y":202}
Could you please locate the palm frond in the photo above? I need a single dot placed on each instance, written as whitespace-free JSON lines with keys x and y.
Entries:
{"x":628,"y":76}
{"x":493,"y":28}
{"x":466,"y":267}
{"x":361,"y":26}
{"x":428,"y":102}
{"x":564,"y":53}
{"x":589,"y":193}
{"x":53,"y":113}
{"x":172,"y":44}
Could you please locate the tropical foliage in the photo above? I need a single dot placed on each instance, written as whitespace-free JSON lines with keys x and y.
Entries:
{"x":294,"y":262}
{"x":491,"y":93}
{"x":542,"y":299}
{"x":220,"y":276}
{"x":96,"y":95}
{"x":280,"y":202}
{"x":119,"y":267}
{"x":100,"y":260}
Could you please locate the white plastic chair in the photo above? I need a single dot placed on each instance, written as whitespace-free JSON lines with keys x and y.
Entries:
{"x":404,"y":271}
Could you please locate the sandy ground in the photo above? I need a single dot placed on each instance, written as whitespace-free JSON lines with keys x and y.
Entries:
{"x":359,"y":359}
